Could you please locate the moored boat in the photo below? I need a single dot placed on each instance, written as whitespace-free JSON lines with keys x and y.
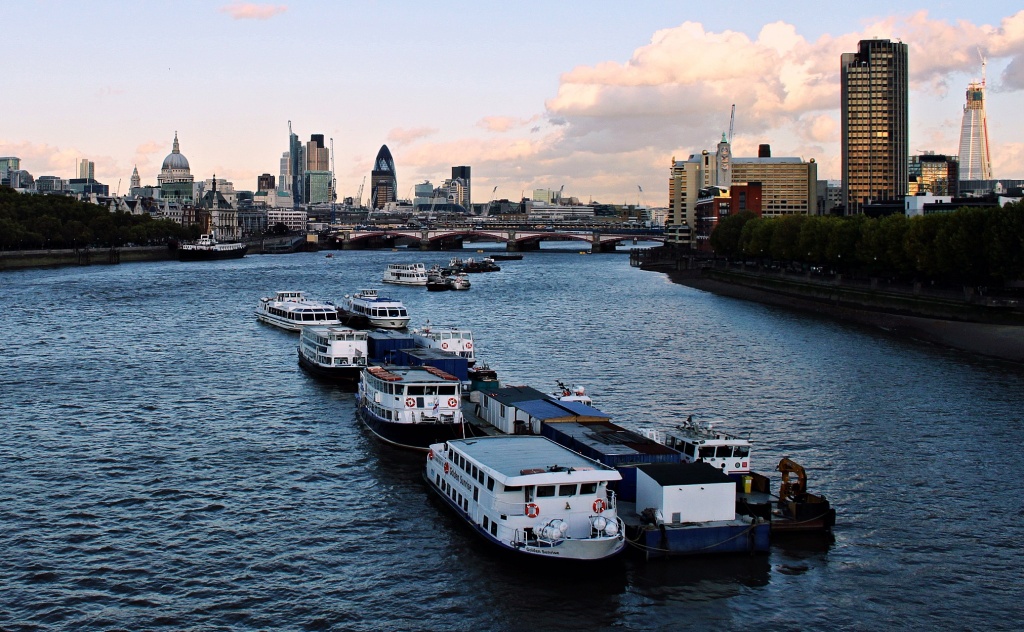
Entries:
{"x":457,"y":282}
{"x":292,"y":310}
{"x":451,"y":339}
{"x":207,"y":248}
{"x":368,"y":308}
{"x":411,"y":407}
{"x":406,"y":274}
{"x":334,"y":353}
{"x":529,"y":495}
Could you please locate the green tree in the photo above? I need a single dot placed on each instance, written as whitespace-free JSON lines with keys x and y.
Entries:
{"x":725,"y":239}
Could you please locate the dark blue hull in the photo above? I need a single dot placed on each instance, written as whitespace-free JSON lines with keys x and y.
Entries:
{"x":710,"y":539}
{"x":343,"y":374}
{"x":411,"y":436}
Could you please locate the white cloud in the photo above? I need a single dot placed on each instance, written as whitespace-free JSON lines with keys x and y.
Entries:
{"x":404,"y":136}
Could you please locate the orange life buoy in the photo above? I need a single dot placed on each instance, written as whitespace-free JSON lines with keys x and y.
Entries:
{"x":599,"y":505}
{"x":410,"y":402}
{"x":532,"y":510}
{"x":444,"y":345}
{"x":452,"y":402}
{"x":447,"y":468}
{"x":469,"y":345}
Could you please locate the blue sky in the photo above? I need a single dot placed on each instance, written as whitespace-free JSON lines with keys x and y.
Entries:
{"x":595,"y":96}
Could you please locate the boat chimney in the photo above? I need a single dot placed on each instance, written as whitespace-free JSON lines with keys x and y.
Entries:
{"x":764,"y":150}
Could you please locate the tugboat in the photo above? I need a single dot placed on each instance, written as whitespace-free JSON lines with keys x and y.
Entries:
{"x":529,"y":496}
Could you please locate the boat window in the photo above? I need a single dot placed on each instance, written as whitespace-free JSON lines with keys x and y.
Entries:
{"x":490,"y":484}
{"x":402,"y":312}
{"x":475,"y":472}
{"x":545,"y":491}
{"x":446,"y":336}
{"x":707,"y":453}
{"x":446,"y":390}
{"x":430,"y":390}
{"x":724,"y":451}
{"x":513,"y":488}
{"x":476,"y":494}
{"x":742,"y":451}
{"x":415,"y":390}
{"x":487,"y":522}
{"x":588,"y":488}
{"x":688,"y":449}
{"x":566,"y":490}
{"x":494,"y":529}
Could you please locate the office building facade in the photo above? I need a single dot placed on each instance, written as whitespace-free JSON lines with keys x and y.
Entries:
{"x":873,"y":108}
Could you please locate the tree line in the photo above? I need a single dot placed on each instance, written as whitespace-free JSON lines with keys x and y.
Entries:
{"x":970,"y":246}
{"x":29,"y":222}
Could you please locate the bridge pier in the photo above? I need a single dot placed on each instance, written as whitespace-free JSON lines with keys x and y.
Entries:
{"x":598,"y":247}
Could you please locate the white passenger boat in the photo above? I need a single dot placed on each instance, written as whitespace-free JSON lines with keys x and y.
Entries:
{"x":411,"y":407}
{"x":291,"y":310}
{"x":451,"y":339}
{"x":369,"y":308}
{"x":406,"y":274}
{"x":334,"y":353}
{"x":529,"y":495}
{"x":207,"y":248}
{"x":701,"y":443}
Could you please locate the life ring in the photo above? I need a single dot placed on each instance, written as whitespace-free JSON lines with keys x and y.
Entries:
{"x":410,"y":402}
{"x":599,"y":505}
{"x":447,"y":468}
{"x":532,"y":510}
{"x":444,"y":345}
{"x":452,"y":402}
{"x":469,"y":345}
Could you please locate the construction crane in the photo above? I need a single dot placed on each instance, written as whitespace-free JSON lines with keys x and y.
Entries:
{"x":334,"y":183}
{"x":359,"y":196}
{"x":732,"y":122}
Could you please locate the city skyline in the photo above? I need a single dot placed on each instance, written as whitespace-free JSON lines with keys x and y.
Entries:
{"x":539,"y":97}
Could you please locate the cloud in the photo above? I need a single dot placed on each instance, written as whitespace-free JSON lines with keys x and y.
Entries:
{"x":403,"y":136}
{"x":250,"y":11}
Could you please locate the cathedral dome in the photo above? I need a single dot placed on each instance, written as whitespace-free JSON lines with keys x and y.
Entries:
{"x":175,"y":159}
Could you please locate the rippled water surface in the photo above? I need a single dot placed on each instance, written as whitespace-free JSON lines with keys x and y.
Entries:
{"x":164,"y":462}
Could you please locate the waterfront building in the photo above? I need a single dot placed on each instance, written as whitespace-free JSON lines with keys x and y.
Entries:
{"x":383,"y":180}
{"x":284,"y":183}
{"x":46,"y":184}
{"x":218,"y":214}
{"x":223,"y":188}
{"x":86,"y":169}
{"x":423,"y":194}
{"x":252,"y":222}
{"x":978,"y":188}
{"x":136,"y":181}
{"x":265,"y":182}
{"x":463,"y":174}
{"x":293,"y":219}
{"x":175,"y":178}
{"x":9,"y":163}
{"x":317,"y":187}
{"x":975,"y":159}
{"x":830,"y":194}
{"x":788,"y":185}
{"x":935,"y":174}
{"x":873,"y":106}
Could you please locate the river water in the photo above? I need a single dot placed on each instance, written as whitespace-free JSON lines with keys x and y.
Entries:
{"x":165,"y":464}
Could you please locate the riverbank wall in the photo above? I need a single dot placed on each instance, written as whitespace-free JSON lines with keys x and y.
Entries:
{"x":967,"y":320}
{"x":20,"y":259}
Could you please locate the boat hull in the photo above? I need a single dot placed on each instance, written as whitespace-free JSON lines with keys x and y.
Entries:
{"x":344,"y":374}
{"x":713,"y":538}
{"x":211,"y":254}
{"x":418,"y":436}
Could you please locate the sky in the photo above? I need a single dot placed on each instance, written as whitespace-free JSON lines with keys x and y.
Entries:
{"x":596,"y":97}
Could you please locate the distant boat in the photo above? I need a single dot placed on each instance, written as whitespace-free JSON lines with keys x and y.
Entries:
{"x":207,"y":248}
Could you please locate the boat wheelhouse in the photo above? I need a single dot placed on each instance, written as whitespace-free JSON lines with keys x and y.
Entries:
{"x":529,"y":495}
{"x":411,"y":407}
{"x":700,"y":442}
{"x":368,"y":308}
{"x":292,"y":310}
{"x":334,"y":353}
{"x":450,"y":339}
{"x":406,"y":274}
{"x":574,"y":393}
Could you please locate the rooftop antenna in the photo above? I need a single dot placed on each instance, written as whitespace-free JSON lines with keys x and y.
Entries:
{"x":984,"y":62}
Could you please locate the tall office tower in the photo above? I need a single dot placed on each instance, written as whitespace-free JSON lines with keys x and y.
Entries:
{"x":975,"y":160}
{"x":296,"y":165}
{"x":318,"y":157}
{"x":463,"y":173}
{"x":383,"y":180}
{"x":265,"y":182}
{"x":87,"y":169}
{"x":873,"y":105}
{"x":285,"y":181}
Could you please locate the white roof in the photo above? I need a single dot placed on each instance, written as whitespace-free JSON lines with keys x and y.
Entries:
{"x":507,"y":457}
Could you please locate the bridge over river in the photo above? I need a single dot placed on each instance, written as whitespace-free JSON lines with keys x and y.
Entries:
{"x":516,"y":238}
